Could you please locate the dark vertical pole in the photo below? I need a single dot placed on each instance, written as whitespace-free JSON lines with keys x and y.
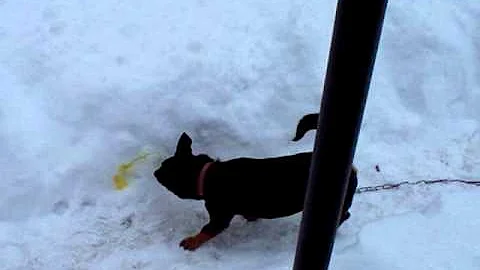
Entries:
{"x":356,"y":34}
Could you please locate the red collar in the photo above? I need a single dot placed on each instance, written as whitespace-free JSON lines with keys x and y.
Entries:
{"x":201,"y":178}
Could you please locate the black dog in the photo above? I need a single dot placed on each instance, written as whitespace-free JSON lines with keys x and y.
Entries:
{"x":254,"y":188}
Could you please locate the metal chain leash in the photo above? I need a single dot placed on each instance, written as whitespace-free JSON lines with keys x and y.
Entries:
{"x":426,"y":182}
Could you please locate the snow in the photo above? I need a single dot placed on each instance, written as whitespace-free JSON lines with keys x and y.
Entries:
{"x":85,"y":85}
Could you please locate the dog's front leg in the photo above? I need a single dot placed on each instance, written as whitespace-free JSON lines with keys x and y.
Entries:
{"x":193,"y":242}
{"x":218,"y":223}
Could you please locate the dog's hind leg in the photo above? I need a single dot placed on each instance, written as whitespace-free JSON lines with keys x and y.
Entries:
{"x":352,"y":187}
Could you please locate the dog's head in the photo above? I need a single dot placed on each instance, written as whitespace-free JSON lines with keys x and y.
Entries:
{"x":179,"y":172}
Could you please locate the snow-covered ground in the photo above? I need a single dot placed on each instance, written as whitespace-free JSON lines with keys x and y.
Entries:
{"x":85,"y":85}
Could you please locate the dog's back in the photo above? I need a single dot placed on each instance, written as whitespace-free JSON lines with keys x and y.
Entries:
{"x":263,"y":188}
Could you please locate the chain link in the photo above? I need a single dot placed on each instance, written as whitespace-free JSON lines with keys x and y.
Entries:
{"x":426,"y":182}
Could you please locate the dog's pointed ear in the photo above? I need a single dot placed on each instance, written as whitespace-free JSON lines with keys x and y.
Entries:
{"x":184,"y":145}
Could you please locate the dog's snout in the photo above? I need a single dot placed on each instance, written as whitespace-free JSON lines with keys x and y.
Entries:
{"x":156,"y":174}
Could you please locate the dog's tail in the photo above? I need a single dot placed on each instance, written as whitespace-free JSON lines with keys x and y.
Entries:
{"x":307,"y":123}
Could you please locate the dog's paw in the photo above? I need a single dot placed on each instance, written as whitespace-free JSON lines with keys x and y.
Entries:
{"x":344,"y":217}
{"x":193,"y":242}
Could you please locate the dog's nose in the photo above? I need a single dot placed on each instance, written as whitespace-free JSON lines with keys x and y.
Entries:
{"x":156,"y":174}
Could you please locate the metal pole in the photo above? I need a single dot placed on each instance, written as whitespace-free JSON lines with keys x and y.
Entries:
{"x":356,"y":34}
